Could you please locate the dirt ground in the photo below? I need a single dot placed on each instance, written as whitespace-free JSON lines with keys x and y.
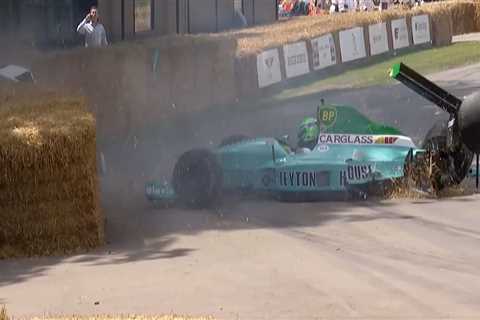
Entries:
{"x":264,"y":259}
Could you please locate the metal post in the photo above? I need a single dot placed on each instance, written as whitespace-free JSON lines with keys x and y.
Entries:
{"x":122,"y":9}
{"x":188,"y":17}
{"x":253,"y":13}
{"x":216,"y":15}
{"x":276,"y":9}
{"x":477,"y":172}
{"x":178,"y":16}
{"x":152,"y":15}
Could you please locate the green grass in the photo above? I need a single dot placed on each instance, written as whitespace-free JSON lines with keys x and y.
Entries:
{"x":425,"y":61}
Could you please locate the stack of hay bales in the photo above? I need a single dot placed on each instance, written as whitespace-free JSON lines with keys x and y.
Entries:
{"x":448,"y":18}
{"x":477,"y":16}
{"x":48,"y":179}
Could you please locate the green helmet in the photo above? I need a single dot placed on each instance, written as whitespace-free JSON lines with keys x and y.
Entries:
{"x":308,"y":132}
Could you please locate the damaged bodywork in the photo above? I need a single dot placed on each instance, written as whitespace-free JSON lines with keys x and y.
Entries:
{"x":340,"y":154}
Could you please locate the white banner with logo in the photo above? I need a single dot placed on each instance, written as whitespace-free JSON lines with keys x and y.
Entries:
{"x":421,"y":29}
{"x":296,"y":59}
{"x":352,"y":44}
{"x":324,"y":52}
{"x":268,"y":68}
{"x":400,"y":33}
{"x":377,"y":34}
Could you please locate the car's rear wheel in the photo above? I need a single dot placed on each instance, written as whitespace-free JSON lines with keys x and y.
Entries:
{"x":197,"y":178}
{"x":236,"y":138}
{"x":435,"y":143}
{"x":445,"y":167}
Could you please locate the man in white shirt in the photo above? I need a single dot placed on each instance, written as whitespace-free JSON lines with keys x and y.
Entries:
{"x":95,"y":35}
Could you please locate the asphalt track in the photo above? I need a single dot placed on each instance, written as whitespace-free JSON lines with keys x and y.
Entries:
{"x":263,"y":259}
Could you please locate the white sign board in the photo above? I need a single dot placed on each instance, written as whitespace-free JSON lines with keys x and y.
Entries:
{"x":421,"y":29}
{"x":268,"y":68}
{"x":400,"y":33}
{"x":296,"y":59}
{"x":352,"y":44}
{"x":377,"y":34}
{"x":324,"y":52}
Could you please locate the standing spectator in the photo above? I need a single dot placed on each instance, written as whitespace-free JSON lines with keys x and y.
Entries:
{"x":239,"y":20}
{"x":334,"y":7}
{"x":95,"y":35}
{"x":384,"y":4}
{"x":351,"y":5}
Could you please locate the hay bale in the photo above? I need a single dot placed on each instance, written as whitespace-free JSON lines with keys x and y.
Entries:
{"x":476,"y":16}
{"x":442,"y":27}
{"x":48,"y":177}
{"x":463,"y":18}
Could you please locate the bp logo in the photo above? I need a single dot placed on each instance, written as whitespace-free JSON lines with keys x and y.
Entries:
{"x":327,"y":117}
{"x":269,"y":62}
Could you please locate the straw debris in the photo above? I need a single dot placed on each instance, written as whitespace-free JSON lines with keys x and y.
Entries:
{"x":49,"y":201}
{"x":133,"y":317}
{"x":3,"y":314}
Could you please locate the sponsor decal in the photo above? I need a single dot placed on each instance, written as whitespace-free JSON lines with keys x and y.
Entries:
{"x":421,"y":29}
{"x":355,"y":45}
{"x":154,"y":189}
{"x":309,"y":179}
{"x":297,"y":59}
{"x":345,"y":139}
{"x":269,"y":62}
{"x":378,"y":38}
{"x":421,"y":26}
{"x":324,"y":53}
{"x":400,"y":33}
{"x":268,"y":178}
{"x":355,"y":173}
{"x":352,"y":44}
{"x":268,"y":68}
{"x":386,"y":140}
{"x":327,"y":117}
{"x":322,"y":148}
{"x":335,"y":138}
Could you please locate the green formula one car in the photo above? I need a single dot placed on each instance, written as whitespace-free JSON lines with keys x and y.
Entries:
{"x":349,"y":155}
{"x":340,"y":152}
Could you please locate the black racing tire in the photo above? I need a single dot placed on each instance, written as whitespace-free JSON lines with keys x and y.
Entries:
{"x":197,"y":179}
{"x":236,"y":138}
{"x":435,"y":143}
{"x":437,"y":136}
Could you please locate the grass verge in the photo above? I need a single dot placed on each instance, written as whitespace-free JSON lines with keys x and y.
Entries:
{"x":426,"y":61}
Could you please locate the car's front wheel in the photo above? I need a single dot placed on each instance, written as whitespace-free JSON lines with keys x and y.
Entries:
{"x":197,"y":178}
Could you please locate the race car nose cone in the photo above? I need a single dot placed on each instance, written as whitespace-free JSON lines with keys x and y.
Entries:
{"x":469,"y":122}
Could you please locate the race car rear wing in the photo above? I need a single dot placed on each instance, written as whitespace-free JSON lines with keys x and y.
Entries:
{"x":425,"y":88}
